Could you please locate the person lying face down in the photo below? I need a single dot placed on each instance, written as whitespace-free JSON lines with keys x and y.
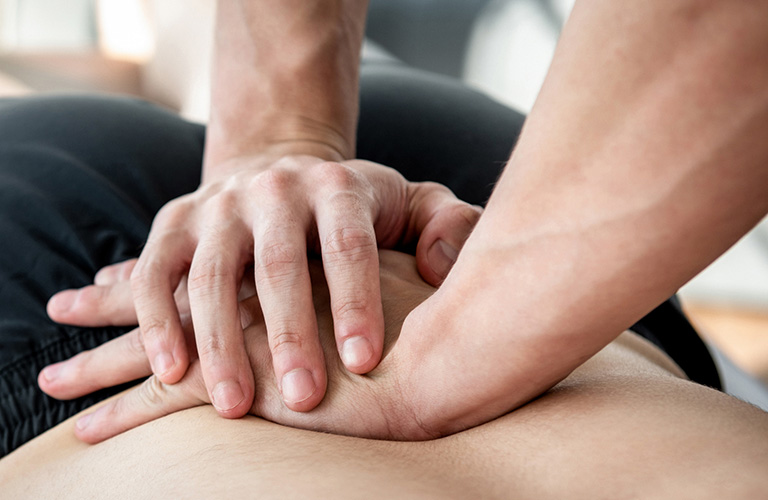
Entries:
{"x":626,"y":423}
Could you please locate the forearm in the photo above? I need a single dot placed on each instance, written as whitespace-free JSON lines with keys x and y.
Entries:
{"x":642,"y":160}
{"x":645,"y":156}
{"x":285,"y":78}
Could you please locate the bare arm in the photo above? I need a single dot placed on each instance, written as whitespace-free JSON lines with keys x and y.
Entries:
{"x":643,"y":159}
{"x":285,"y":80}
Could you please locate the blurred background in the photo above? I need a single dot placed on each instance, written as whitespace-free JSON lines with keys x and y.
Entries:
{"x":161,"y":49}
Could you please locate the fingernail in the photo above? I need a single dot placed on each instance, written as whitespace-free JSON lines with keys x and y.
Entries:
{"x":227,"y":395}
{"x":52,"y":372}
{"x":84,"y":421}
{"x":441,"y":257}
{"x":163,"y":362}
{"x":356,"y":351}
{"x":298,"y":385}
{"x":63,"y":301}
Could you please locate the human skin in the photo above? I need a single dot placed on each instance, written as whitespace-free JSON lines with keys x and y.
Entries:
{"x":642,"y":160}
{"x":625,"y":424}
{"x":366,"y":406}
{"x":278,"y":183}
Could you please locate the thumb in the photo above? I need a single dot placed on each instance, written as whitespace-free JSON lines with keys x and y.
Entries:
{"x":444,"y":223}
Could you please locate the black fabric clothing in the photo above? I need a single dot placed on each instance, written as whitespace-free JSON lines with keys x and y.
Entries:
{"x":81,"y":178}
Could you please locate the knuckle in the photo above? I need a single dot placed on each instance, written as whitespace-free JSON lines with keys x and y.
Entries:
{"x":115,"y":411}
{"x":350,"y":307}
{"x":173,"y":214}
{"x":432,"y":188}
{"x":151,"y":393}
{"x":150,"y":277}
{"x":78,"y":366}
{"x":92,"y":295}
{"x":277,"y":261}
{"x":135,"y":345}
{"x":469,"y":213}
{"x":354,"y":203}
{"x":144,"y":275}
{"x":274,"y":182}
{"x":138,"y":275}
{"x":214,"y":274}
{"x":432,"y":193}
{"x":107,"y":273}
{"x":222,"y":205}
{"x":285,"y":340}
{"x":124,"y":270}
{"x":349,"y":243}
{"x":337,"y":176}
{"x":153,"y":328}
{"x":212,"y":347}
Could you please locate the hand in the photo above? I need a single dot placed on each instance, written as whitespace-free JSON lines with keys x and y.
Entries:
{"x":370,"y":406}
{"x":270,"y":216}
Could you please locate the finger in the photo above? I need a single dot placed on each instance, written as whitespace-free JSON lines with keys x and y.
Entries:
{"x":94,"y":305}
{"x":157,"y":273}
{"x":351,"y":264}
{"x":118,"y":361}
{"x":213,"y":287}
{"x":144,"y":403}
{"x":444,"y":223}
{"x":115,"y":273}
{"x":284,"y":289}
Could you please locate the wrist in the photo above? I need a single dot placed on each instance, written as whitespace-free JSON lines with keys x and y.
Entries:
{"x":255,"y":163}
{"x":270,"y":101}
{"x":223,"y":157}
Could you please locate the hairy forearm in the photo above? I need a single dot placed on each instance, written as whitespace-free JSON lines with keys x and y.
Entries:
{"x":285,"y":77}
{"x":643,"y":159}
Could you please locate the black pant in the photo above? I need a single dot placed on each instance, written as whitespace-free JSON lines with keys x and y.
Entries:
{"x":82,"y":177}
